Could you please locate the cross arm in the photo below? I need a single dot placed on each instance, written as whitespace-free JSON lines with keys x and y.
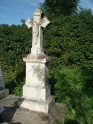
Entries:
{"x":44,"y":22}
{"x":29,"y":23}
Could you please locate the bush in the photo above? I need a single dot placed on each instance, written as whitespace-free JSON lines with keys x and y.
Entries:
{"x":18,"y":89}
{"x":73,"y":87}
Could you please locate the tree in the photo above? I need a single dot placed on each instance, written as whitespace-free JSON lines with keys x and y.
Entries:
{"x":23,"y":21}
{"x":69,"y":41}
{"x":15,"y":45}
{"x":55,"y":8}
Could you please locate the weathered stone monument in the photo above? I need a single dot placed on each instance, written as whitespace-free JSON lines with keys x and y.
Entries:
{"x":36,"y":91}
{"x":3,"y":92}
{"x":2,"y":86}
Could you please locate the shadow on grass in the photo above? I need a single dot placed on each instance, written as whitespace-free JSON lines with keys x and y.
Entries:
{"x":69,"y":121}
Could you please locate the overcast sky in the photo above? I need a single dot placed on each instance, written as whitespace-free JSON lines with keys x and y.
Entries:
{"x":12,"y":11}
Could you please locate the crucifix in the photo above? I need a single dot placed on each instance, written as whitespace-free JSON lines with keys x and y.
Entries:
{"x":37,"y":35}
{"x":36,"y":90}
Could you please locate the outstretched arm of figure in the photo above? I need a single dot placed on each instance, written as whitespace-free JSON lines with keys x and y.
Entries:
{"x":29,"y":23}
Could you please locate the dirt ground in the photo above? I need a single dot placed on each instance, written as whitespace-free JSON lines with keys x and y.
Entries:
{"x":16,"y":115}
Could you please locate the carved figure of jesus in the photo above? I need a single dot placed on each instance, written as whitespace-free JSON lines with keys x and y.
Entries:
{"x":37,"y":35}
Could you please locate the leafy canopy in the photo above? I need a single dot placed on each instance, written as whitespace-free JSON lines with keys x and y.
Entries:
{"x":55,"y":8}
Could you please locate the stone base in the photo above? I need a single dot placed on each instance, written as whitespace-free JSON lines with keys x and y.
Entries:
{"x":15,"y":115}
{"x":39,"y":106}
{"x":4,"y":93}
{"x":36,"y":93}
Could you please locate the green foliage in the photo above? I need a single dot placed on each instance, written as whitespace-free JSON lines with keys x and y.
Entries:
{"x":74,"y":88}
{"x":68,"y":40}
{"x":15,"y":44}
{"x":56,"y":8}
{"x":18,"y":89}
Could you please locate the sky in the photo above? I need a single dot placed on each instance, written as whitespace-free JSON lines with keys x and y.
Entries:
{"x":12,"y":11}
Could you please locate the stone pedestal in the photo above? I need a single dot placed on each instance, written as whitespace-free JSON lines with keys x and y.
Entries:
{"x":36,"y":90}
{"x":3,"y":92}
{"x":2,"y":85}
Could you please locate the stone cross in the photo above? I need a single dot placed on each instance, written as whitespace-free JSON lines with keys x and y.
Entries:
{"x":37,"y":36}
{"x":36,"y":90}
